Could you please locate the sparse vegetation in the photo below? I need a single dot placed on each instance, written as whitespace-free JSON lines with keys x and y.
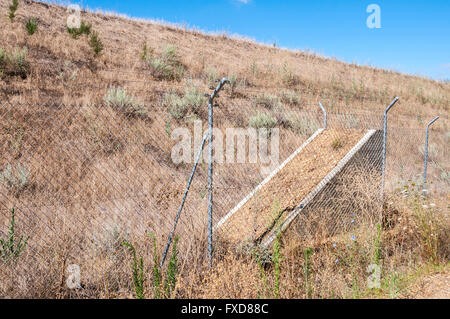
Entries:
{"x":138,"y":272}
{"x":15,"y":178}
{"x":276,"y":259}
{"x":31,"y":26}
{"x":68,"y":73}
{"x":377,"y":246}
{"x":11,"y":248}
{"x":233,"y":84}
{"x":290,"y":97}
{"x":307,"y":271}
{"x":288,"y":77}
{"x":85,"y":28}
{"x":2,"y":61}
{"x":156,"y":273}
{"x":267,"y":101}
{"x":95,"y":43}
{"x":161,"y":288}
{"x":146,"y":52}
{"x":12,"y":9}
{"x":167,"y":66}
{"x":14,"y":63}
{"x":179,"y":107}
{"x":262,"y":120}
{"x":300,"y":125}
{"x":119,"y":99}
{"x":337,"y":143}
{"x":172,"y":269}
{"x":211,"y":75}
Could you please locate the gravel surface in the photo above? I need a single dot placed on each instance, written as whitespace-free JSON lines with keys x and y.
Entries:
{"x":288,"y":188}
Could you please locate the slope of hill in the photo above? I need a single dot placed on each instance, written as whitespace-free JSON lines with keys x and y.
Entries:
{"x":65,"y":70}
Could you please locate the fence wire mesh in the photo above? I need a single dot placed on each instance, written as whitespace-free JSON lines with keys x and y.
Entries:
{"x":85,"y":178}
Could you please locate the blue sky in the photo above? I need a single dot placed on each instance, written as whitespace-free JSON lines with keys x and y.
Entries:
{"x":414,"y":36}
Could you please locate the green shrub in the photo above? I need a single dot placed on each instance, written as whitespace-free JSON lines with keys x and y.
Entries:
{"x":15,"y":179}
{"x":83,"y":29}
{"x":179,"y":107}
{"x":9,"y":249}
{"x":138,"y":272}
{"x":118,"y":99}
{"x":18,"y":60}
{"x":95,"y":43}
{"x":193,"y":98}
{"x":156,"y":273}
{"x":31,"y":26}
{"x":172,"y":269}
{"x":175,"y":104}
{"x":167,"y":66}
{"x":12,"y":9}
{"x":14,"y":63}
{"x":262,"y":120}
{"x":2,"y":58}
{"x":290,"y":97}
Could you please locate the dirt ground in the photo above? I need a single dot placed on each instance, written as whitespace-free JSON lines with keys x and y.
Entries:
{"x":435,"y":286}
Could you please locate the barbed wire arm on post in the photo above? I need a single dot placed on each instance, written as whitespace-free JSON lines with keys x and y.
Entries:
{"x":324,"y":115}
{"x":383,"y":167}
{"x":214,"y":94}
{"x":426,"y":153}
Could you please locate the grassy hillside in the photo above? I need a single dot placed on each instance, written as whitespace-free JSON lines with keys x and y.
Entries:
{"x":88,"y":138}
{"x":54,"y":56}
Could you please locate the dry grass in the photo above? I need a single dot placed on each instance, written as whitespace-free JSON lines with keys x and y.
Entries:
{"x":263,"y":68}
{"x":108,"y":175}
{"x":409,"y":249}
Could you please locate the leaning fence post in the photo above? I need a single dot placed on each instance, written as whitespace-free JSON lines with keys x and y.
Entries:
{"x":426,"y":153}
{"x":383,"y":167}
{"x":180,"y":208}
{"x":210,"y":165}
{"x":324,"y":115}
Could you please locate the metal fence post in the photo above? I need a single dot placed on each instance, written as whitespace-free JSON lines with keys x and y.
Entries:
{"x":210,"y":166}
{"x":324,"y":115}
{"x":177,"y":217}
{"x":426,"y":153}
{"x":383,"y":168}
{"x":210,"y":180}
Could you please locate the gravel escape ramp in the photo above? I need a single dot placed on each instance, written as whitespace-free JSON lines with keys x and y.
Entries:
{"x":285,"y":188}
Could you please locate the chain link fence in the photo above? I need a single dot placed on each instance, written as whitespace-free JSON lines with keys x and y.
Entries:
{"x":85,"y":178}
